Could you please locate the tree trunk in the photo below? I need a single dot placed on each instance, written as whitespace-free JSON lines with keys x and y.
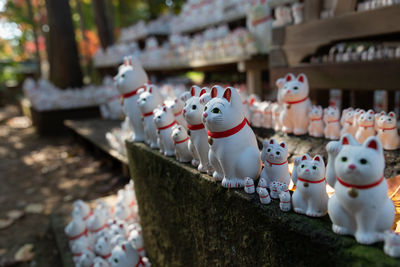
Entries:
{"x":103,"y":26}
{"x":35,"y":35}
{"x":65,"y":70}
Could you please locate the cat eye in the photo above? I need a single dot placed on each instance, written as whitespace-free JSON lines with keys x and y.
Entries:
{"x":194,"y":107}
{"x":363,"y":161}
{"x":389,"y":119}
{"x":295,"y":88}
{"x":314,"y":167}
{"x":216,"y":110}
{"x":369,"y":118}
{"x":269,"y":150}
{"x":116,"y":260}
{"x":277,"y":152}
{"x":205,"y":108}
{"x":302,"y":166}
{"x":123,"y":75}
{"x":344,"y":159}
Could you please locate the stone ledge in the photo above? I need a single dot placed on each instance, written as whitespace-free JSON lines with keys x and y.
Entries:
{"x":188,"y":219}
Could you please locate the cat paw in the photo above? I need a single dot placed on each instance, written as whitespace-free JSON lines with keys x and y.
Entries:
{"x":315,"y":214}
{"x":169,"y":153}
{"x":287,"y":130}
{"x":333,"y":147}
{"x":297,"y":161}
{"x":232,"y":182}
{"x":217,"y":176}
{"x":340,"y":230}
{"x":195,"y":163}
{"x":298,"y":210}
{"x":202,"y":168}
{"x":298,"y":131}
{"x":136,"y":139}
{"x":154,"y":146}
{"x":368,"y":238}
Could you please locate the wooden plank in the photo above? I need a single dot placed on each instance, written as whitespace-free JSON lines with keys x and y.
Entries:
{"x":312,"y":10}
{"x":353,"y":75}
{"x":345,"y":6}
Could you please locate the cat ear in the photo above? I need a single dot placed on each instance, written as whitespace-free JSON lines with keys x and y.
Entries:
{"x":202,"y":92}
{"x":317,"y":158}
{"x":304,"y":157}
{"x":371,"y":112}
{"x":228,"y":94}
{"x":373,"y":143}
{"x":345,"y":141}
{"x":283,"y":144}
{"x":272,"y":141}
{"x":123,"y":247}
{"x":301,"y":78}
{"x":130,"y":61}
{"x":164,"y":108}
{"x":150,"y":89}
{"x":392,"y":114}
{"x":125,"y":62}
{"x":214,"y":92}
{"x":193,"y":91}
{"x":289,"y":77}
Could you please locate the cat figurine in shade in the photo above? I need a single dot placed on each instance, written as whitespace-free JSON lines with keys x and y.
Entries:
{"x":296,"y":104}
{"x":332,"y":123}
{"x":366,"y":125}
{"x":316,"y":126}
{"x":232,"y":142}
{"x":130,"y":78}
{"x":181,"y":142}
{"x":164,"y":120}
{"x":387,"y":131}
{"x":360,"y":205}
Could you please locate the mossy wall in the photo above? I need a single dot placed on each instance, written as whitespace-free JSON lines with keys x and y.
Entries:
{"x":190,"y":220}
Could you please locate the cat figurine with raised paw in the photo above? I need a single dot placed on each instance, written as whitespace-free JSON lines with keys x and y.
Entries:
{"x":274,"y":155}
{"x":296,"y":105}
{"x":366,"y":126}
{"x":164,"y":121}
{"x":233,"y":144}
{"x":387,"y":131}
{"x":130,"y":78}
{"x":332,"y":123}
{"x":103,"y":247}
{"x":360,"y":205}
{"x":181,"y":142}
{"x":316,"y":126}
{"x":310,"y":197}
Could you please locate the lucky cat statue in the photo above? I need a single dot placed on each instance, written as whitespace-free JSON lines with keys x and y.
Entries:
{"x":97,"y":223}
{"x":181,"y":142}
{"x":267,"y":112}
{"x":164,"y":121}
{"x":276,"y":113}
{"x":77,"y":231}
{"x":265,"y":198}
{"x":366,"y":126}
{"x":259,"y":23}
{"x":100,"y":262}
{"x":310,"y":197}
{"x":276,"y":188}
{"x":136,"y":240}
{"x":103,"y":247}
{"x":332,"y":123}
{"x":147,"y":102}
{"x":77,"y":250}
{"x":294,"y":117}
{"x":347,"y":122}
{"x":86,"y":259}
{"x":316,"y":126}
{"x":392,"y":244}
{"x":130,"y":78}
{"x":125,"y":256}
{"x":249,"y":185}
{"x":285,"y":201}
{"x":262,"y":183}
{"x":274,"y":156}
{"x":360,"y":205}
{"x":81,"y":210}
{"x":176,"y":107}
{"x":198,"y":143}
{"x":233,"y":145}
{"x":387,"y":131}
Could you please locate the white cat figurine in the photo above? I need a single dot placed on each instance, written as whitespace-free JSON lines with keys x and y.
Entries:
{"x":86,"y":259}
{"x":285,"y":201}
{"x":332,"y":123}
{"x":347,"y":122}
{"x":262,"y":183}
{"x":100,"y":262}
{"x":103,"y":247}
{"x":316,"y":126}
{"x":233,"y":145}
{"x":181,"y":142}
{"x":125,"y":256}
{"x":249,"y":185}
{"x":97,"y":223}
{"x":130,"y":78}
{"x":275,"y":156}
{"x":77,"y":231}
{"x":310,"y":197}
{"x":267,"y":112}
{"x":366,"y":126}
{"x":265,"y":198}
{"x":294,"y":117}
{"x":136,"y":240}
{"x":164,"y":121}
{"x":176,"y":107}
{"x":392,"y":244}
{"x":82,"y":210}
{"x":276,"y":113}
{"x":360,"y":205}
{"x":387,"y":131}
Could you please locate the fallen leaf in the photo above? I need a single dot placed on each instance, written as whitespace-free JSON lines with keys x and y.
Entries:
{"x":25,"y":253}
{"x":3,"y":251}
{"x":34,"y":208}
{"x":4,"y":223}
{"x":15,"y":214}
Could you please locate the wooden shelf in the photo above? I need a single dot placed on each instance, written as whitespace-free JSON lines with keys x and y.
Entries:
{"x":299,"y":41}
{"x":370,"y":75}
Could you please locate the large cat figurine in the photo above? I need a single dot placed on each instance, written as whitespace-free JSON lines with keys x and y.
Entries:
{"x":232,"y":142}
{"x":294,"y":117}
{"x":164,"y":121}
{"x":366,"y":126}
{"x":130,"y":78}
{"x":360,"y":205}
{"x":198,"y":143}
{"x":387,"y":131}
{"x":274,"y":156}
{"x":310,"y":197}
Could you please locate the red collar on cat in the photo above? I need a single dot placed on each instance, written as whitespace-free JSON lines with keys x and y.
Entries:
{"x":317,"y":119}
{"x":296,"y":102}
{"x":132,"y":93}
{"x":366,"y":186}
{"x":229,"y":132}
{"x":178,"y":113}
{"x":386,"y":129}
{"x":349,"y":122}
{"x":276,"y":163}
{"x":140,"y":262}
{"x":106,"y":256}
{"x":99,"y":229}
{"x":167,"y":126}
{"x":195,"y":127}
{"x":147,"y":114}
{"x":309,"y":181}
{"x":333,"y":121}
{"x":184,"y":140}
{"x":84,"y":233}
{"x":88,"y":215}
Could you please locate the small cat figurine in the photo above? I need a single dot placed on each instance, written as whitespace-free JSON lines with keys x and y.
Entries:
{"x":294,"y":117}
{"x":97,"y":223}
{"x":86,"y":259}
{"x":366,"y":126}
{"x":347,"y":122}
{"x":100,"y":262}
{"x":276,"y":113}
{"x":198,"y":143}
{"x":262,"y":183}
{"x":130,"y":78}
{"x":77,"y":232}
{"x":147,"y":102}
{"x":360,"y":205}
{"x":233,"y":145}
{"x":265,"y":198}
{"x":176,"y":107}
{"x":267,"y":112}
{"x":275,"y":156}
{"x":387,"y":131}
{"x":103,"y":247}
{"x":332,"y":123}
{"x":316,"y":126}
{"x":310,"y":197}
{"x":164,"y":121}
{"x":285,"y":201}
{"x":125,"y":256}
{"x":276,"y":188}
{"x":181,"y":141}
{"x":392,"y":244}
{"x":249,"y":185}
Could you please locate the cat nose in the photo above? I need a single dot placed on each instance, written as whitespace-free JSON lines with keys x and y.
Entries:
{"x":271,"y":155}
{"x":205,"y":115}
{"x":352,"y":167}
{"x":307,"y":170}
{"x":184,"y":110}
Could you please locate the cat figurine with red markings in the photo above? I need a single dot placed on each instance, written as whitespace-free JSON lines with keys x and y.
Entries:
{"x":360,"y":205}
{"x":296,"y":104}
{"x":366,"y":125}
{"x":310,"y":197}
{"x":387,"y":131}
{"x":316,"y":127}
{"x":232,"y":142}
{"x":176,"y":106}
{"x":332,"y":123}
{"x":164,"y":121}
{"x":181,"y":141}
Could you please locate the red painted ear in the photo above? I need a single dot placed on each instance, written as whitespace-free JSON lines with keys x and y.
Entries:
{"x":176,"y":100}
{"x":371,"y":112}
{"x":164,"y":108}
{"x":202,"y":92}
{"x":304,"y":157}
{"x":372,"y":144}
{"x":227,"y":94}
{"x":283,"y":145}
{"x":345,"y":141}
{"x":214,"y":92}
{"x":130,"y":62}
{"x":121,"y":226}
{"x":317,"y":158}
{"x":252,"y":101}
{"x":150,"y":90}
{"x":301,"y":78}
{"x":123,"y":247}
{"x":271,"y":141}
{"x":391,"y":114}
{"x":192,"y":91}
{"x":288,"y":78}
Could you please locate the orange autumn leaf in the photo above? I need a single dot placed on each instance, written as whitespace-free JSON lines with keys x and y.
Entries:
{"x":394,"y":194}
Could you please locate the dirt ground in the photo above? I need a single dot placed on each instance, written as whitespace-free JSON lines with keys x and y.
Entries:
{"x":38,"y":175}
